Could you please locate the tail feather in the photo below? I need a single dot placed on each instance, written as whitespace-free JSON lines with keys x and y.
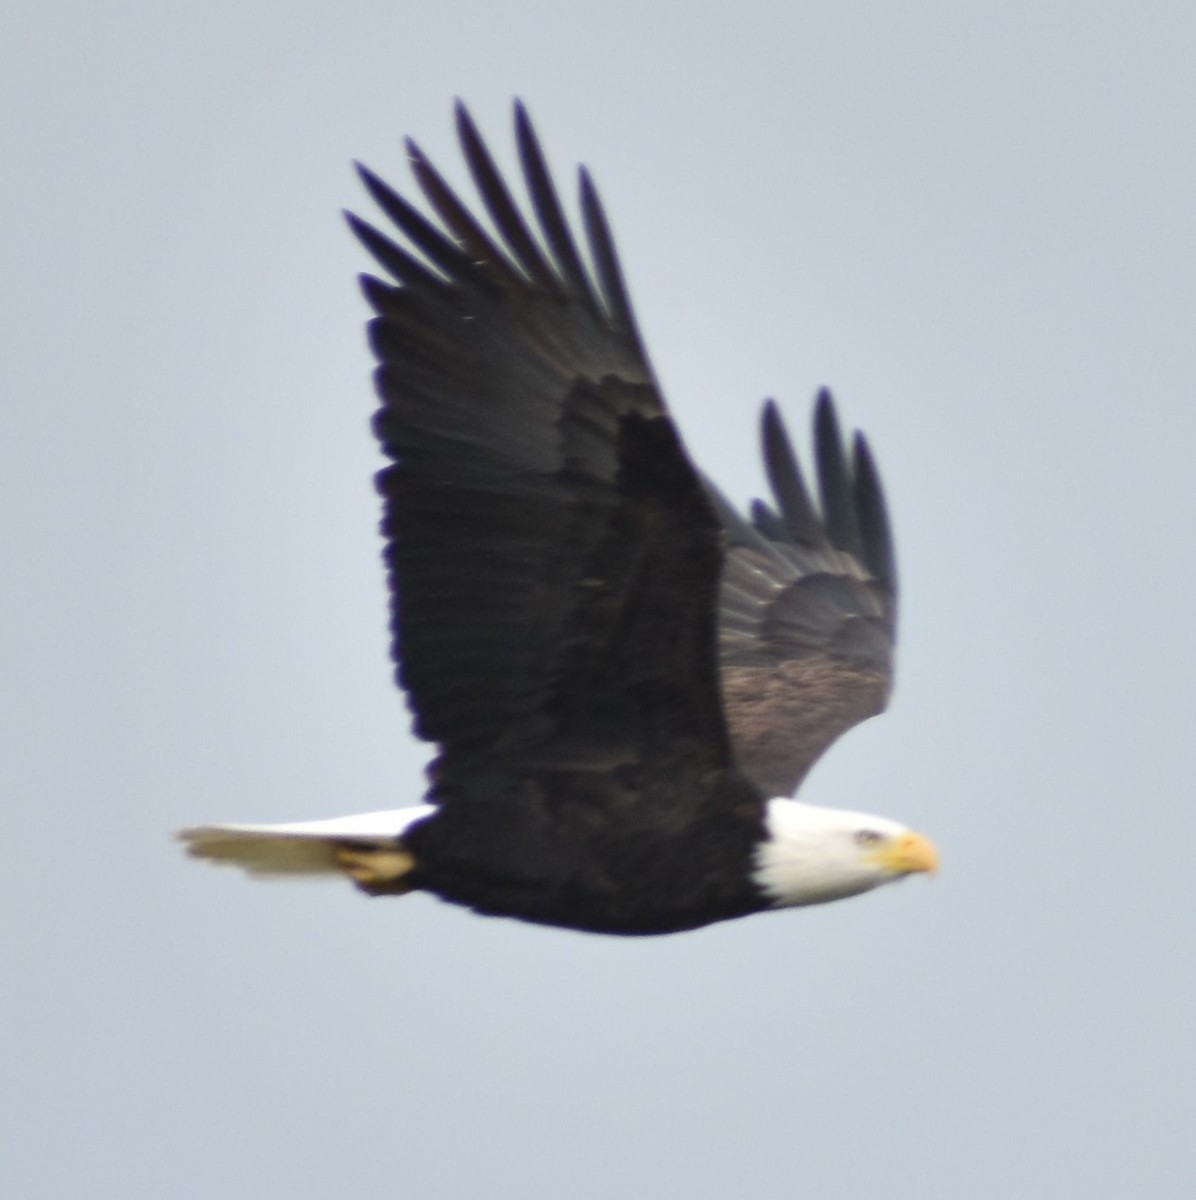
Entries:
{"x":300,"y":848}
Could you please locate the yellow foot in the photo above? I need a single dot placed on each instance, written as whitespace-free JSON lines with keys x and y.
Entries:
{"x":377,"y":870}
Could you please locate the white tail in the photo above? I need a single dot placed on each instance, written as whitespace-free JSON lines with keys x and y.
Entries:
{"x":300,"y":847}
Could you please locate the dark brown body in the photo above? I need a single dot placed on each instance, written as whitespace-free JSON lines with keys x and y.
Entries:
{"x":616,"y":854}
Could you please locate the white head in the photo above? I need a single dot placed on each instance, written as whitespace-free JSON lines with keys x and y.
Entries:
{"x":817,"y":854}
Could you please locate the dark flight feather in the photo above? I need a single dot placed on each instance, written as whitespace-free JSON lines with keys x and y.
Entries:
{"x":808,"y":607}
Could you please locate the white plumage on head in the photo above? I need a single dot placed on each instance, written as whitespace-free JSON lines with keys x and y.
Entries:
{"x":814,"y":854}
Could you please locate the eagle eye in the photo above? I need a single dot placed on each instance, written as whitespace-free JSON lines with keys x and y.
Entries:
{"x":868,"y":837}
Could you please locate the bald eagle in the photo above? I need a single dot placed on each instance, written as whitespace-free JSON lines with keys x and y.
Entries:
{"x":624,"y":679}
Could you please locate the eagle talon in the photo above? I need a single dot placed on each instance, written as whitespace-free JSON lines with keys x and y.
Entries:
{"x":375,"y":866}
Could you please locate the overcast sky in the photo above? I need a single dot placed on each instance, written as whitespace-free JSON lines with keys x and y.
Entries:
{"x":977,"y":222}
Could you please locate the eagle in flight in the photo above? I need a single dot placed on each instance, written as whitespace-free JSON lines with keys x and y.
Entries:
{"x":624,"y":679}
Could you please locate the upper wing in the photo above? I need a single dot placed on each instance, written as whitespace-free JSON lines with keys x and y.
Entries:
{"x":553,"y":556}
{"x":808,"y":606}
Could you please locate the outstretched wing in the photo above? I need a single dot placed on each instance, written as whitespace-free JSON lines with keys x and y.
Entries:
{"x":553,"y":556}
{"x":808,"y":606}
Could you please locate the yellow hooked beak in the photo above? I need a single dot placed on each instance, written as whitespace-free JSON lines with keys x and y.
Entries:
{"x":908,"y":854}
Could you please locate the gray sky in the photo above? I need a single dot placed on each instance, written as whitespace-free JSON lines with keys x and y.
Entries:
{"x":975,"y":221}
